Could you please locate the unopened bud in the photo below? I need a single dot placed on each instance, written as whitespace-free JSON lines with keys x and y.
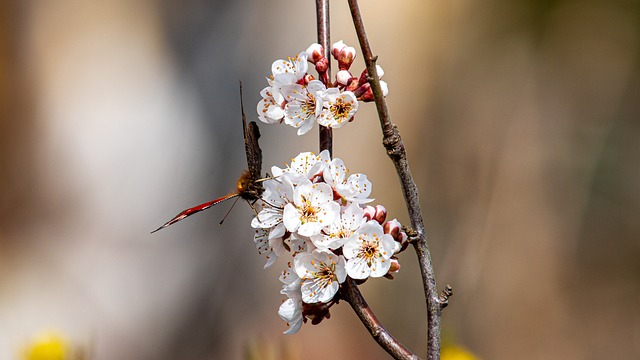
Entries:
{"x":344,"y":77}
{"x":336,"y":48}
{"x":381,"y":214}
{"x":306,"y":79}
{"x":369,"y":212}
{"x":404,"y":241}
{"x":345,"y":57}
{"x":362,"y":90}
{"x":385,"y":88}
{"x":395,"y":266}
{"x":393,"y":269}
{"x":393,"y":228}
{"x":363,"y":77}
{"x":322,"y":65}
{"x":315,"y":52}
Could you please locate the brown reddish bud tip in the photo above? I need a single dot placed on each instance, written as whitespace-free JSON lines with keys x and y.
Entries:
{"x":363,"y":77}
{"x":315,"y":52}
{"x":394,"y":268}
{"x":344,"y":77}
{"x":345,"y":57}
{"x":381,"y":214}
{"x":393,"y":228}
{"x":307,"y":78}
{"x":322,"y":65}
{"x":368,"y":95}
{"x":336,"y":48}
{"x":369,"y":212}
{"x":404,"y":241}
{"x":362,"y":90}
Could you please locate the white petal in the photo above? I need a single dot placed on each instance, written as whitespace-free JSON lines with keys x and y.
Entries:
{"x":379,"y":267}
{"x":291,"y":217}
{"x":309,"y":229}
{"x":291,"y":312}
{"x":357,"y":268}
{"x":306,"y":126}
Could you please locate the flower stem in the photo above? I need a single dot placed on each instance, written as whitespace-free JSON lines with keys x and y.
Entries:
{"x":324,"y":39}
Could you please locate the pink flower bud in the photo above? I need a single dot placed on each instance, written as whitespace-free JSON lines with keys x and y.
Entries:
{"x":336,"y":48}
{"x":345,"y":57}
{"x":379,"y":71}
{"x":361,"y":90}
{"x":381,"y":214}
{"x":393,"y":228}
{"x":306,"y":79}
{"x":393,"y":269}
{"x":369,"y":212}
{"x":322,"y":65}
{"x":315,"y":52}
{"x":363,"y":77}
{"x":404,"y":241}
{"x":395,"y":266}
{"x":344,"y":77}
{"x":367,"y":96}
{"x":385,"y":88}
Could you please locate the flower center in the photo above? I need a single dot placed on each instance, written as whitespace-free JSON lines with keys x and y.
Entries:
{"x":309,"y":106}
{"x":369,"y":251}
{"x":340,"y":109}
{"x":309,"y":212}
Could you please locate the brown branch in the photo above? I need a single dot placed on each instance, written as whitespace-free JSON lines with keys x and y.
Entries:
{"x":392,"y":346}
{"x":396,"y":151}
{"x":324,"y":39}
{"x":351,"y":292}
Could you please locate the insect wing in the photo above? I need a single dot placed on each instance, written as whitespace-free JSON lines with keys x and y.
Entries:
{"x":192,"y":210}
{"x":252,"y":149}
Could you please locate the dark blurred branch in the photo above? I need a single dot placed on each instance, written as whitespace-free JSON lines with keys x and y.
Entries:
{"x":324,"y":39}
{"x":396,"y":151}
{"x":368,"y":318}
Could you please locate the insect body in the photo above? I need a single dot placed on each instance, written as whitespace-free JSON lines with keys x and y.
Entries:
{"x":249,"y":185}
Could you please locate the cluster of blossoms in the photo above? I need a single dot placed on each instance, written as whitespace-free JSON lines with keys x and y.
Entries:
{"x":314,"y":210}
{"x":296,"y":98}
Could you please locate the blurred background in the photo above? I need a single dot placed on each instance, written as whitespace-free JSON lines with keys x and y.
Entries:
{"x":522,"y":125}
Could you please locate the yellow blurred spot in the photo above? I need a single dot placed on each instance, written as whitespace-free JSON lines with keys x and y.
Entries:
{"x":47,"y":346}
{"x":456,"y":353}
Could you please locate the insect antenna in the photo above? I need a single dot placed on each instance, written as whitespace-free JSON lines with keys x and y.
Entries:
{"x":229,"y":211}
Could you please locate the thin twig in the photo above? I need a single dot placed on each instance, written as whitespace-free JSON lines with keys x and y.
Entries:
{"x":324,"y":39}
{"x":396,"y":151}
{"x":378,"y":332}
{"x":351,"y":293}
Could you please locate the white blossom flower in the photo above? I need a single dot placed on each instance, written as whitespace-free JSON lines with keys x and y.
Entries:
{"x":291,"y":312}
{"x":312,"y":208}
{"x":337,"y":234}
{"x":283,"y":72}
{"x":338,"y":108}
{"x":291,"y":309}
{"x":291,"y":70}
{"x":271,"y":107}
{"x":274,"y":198}
{"x":261,"y":239}
{"x":321,"y":274}
{"x":300,"y":244}
{"x":303,"y":105}
{"x":369,"y":252}
{"x":304,"y":166}
{"x":356,"y":188}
